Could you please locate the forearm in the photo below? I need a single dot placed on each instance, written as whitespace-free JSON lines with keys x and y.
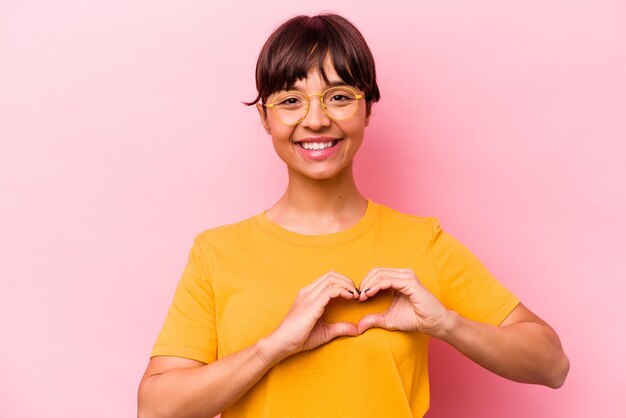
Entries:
{"x":528,"y":352}
{"x":175,"y":387}
{"x":203,"y":391}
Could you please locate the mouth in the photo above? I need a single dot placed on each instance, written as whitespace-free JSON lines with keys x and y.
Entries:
{"x":317,"y":146}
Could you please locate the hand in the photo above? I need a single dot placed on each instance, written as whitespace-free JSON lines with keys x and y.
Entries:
{"x":413,"y":307}
{"x":302,"y":329}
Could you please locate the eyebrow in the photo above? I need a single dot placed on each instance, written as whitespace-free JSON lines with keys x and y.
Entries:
{"x":326,"y":86}
{"x":336,"y":83}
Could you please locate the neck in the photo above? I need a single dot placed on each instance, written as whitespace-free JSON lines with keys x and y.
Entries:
{"x":311,"y":206}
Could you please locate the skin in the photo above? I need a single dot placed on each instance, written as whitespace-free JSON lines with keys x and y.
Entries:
{"x":322,"y":198}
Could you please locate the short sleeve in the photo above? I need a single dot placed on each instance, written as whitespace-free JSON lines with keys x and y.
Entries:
{"x":189,"y":328}
{"x":466,"y":285}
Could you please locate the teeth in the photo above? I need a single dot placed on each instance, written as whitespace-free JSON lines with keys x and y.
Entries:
{"x":316,"y":145}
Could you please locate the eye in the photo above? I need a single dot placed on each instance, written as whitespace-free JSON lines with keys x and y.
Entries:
{"x":339,"y":96}
{"x":290,"y":100}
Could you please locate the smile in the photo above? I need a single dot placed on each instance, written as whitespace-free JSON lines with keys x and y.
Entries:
{"x":317,"y":145}
{"x":318,"y":149}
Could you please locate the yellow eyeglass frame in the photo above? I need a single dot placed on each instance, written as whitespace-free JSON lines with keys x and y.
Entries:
{"x":357,"y":96}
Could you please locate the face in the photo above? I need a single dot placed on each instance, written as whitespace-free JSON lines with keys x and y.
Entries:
{"x":304,"y":147}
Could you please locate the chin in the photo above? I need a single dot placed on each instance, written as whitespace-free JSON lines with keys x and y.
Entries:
{"x":329,"y":173}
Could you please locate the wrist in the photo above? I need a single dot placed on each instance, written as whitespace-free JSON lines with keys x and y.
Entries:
{"x":449,"y":324}
{"x":269,"y":352}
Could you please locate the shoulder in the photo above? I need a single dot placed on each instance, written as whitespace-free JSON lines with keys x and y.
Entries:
{"x":415,"y":223}
{"x":407,"y":229}
{"x":231,"y":235}
{"x":226,"y":231}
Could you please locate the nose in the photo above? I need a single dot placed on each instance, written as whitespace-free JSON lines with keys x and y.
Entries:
{"x":316,"y":118}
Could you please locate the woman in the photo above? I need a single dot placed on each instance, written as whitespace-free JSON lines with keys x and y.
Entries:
{"x":323,"y":305}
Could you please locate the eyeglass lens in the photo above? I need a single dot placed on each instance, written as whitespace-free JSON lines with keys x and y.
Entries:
{"x":338,"y":103}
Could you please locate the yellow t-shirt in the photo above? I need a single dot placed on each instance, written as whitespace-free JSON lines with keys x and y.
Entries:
{"x":241,"y":280}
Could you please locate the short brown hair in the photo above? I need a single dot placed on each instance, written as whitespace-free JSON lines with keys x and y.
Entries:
{"x":303,"y":42}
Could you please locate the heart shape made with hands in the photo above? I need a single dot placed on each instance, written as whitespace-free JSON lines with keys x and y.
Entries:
{"x":340,"y":309}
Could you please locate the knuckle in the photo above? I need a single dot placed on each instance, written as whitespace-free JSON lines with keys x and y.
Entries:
{"x":330,"y":275}
{"x":334,"y":291}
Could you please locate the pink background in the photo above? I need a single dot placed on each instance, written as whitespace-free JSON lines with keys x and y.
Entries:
{"x":123,"y":135}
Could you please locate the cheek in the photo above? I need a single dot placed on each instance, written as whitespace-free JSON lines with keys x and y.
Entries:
{"x":280,"y":131}
{"x":281,"y":136}
{"x":358,"y":123}
{"x":355,"y":129}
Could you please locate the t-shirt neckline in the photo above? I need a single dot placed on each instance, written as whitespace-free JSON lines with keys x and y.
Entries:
{"x":334,"y":238}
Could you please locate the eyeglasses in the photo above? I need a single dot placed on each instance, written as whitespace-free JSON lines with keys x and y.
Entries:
{"x":338,"y":103}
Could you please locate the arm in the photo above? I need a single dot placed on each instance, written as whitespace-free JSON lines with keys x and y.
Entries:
{"x":523,"y":348}
{"x":174,"y":386}
{"x":178,"y":387}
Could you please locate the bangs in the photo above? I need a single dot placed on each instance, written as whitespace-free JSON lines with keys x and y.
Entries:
{"x":305,"y":43}
{"x":305,"y":51}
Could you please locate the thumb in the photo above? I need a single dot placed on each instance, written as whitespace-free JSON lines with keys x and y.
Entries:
{"x":340,"y":329}
{"x":372,"y":321}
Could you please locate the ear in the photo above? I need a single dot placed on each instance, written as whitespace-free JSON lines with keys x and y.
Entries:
{"x":263,"y":115}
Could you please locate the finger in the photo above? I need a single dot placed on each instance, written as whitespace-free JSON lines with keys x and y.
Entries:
{"x":317,"y":281}
{"x":314,"y":307}
{"x":401,"y":284}
{"x":372,"y":321}
{"x":337,"y":276}
{"x":313,"y":289}
{"x":330,"y":275}
{"x":317,"y":305}
{"x":334,"y":280}
{"x":340,"y":329}
{"x":368,"y":278}
{"x":336,"y":292}
{"x":380,"y":273}
{"x":376,"y":272}
{"x":325,"y":296}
